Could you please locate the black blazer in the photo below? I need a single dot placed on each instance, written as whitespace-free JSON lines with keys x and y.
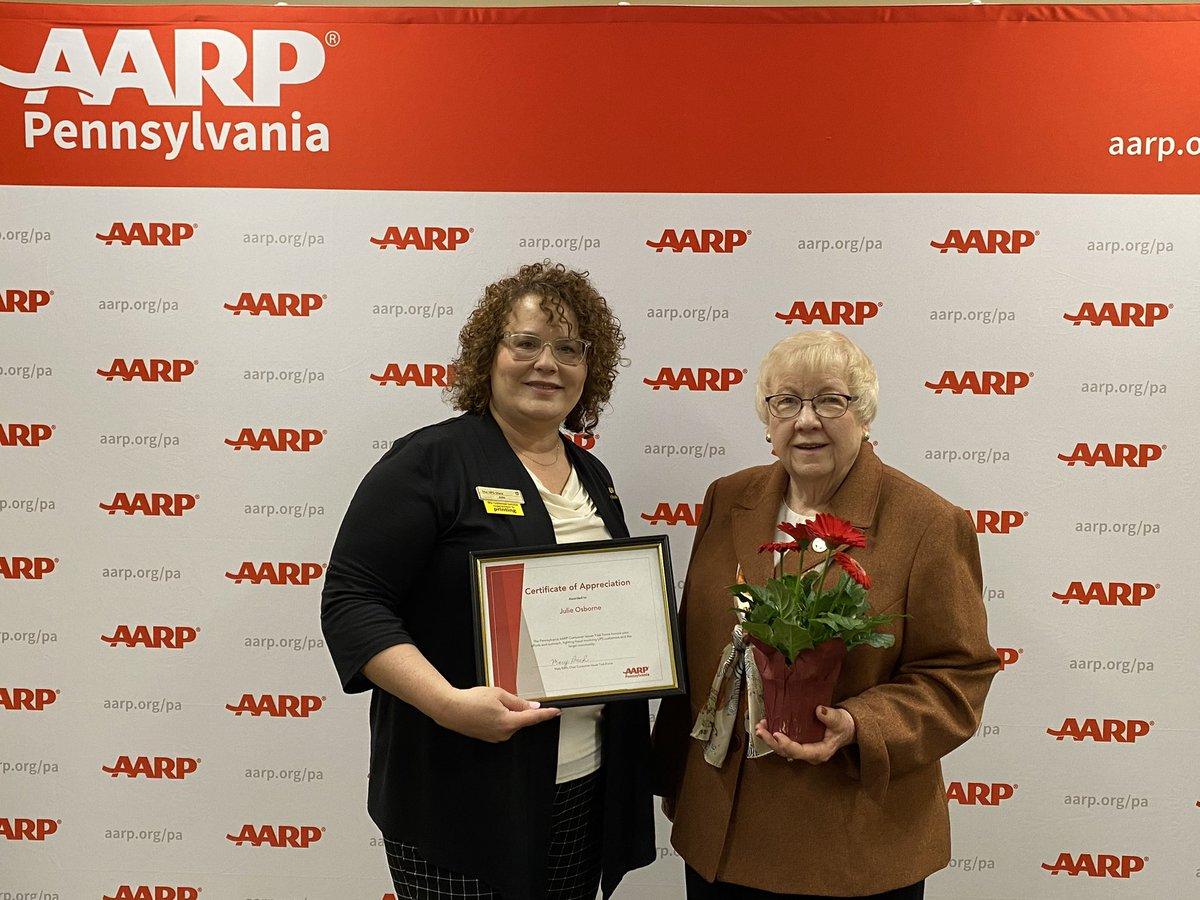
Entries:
{"x":399,"y":574}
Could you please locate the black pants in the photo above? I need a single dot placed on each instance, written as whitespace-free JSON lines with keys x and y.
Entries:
{"x":699,"y":889}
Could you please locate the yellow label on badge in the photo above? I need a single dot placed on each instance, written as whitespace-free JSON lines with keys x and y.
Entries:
{"x":501,"y":508}
{"x":504,"y":495}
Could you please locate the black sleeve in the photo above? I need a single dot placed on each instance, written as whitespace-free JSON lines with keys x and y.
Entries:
{"x":385,"y":542}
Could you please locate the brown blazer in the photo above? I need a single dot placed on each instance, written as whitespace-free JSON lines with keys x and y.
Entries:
{"x":874,"y":817}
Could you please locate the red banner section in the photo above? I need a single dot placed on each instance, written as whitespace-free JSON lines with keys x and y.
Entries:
{"x":1011,"y":99}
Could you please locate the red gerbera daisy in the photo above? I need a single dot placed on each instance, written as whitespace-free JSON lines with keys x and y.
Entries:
{"x":778,"y":547}
{"x":797,"y":530}
{"x":853,"y":569}
{"x":835,"y":532}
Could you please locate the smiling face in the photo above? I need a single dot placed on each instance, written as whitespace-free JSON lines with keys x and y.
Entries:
{"x":534,"y":396}
{"x":817,"y":453}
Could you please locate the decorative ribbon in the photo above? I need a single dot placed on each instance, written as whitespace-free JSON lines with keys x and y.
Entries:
{"x":717,"y":719}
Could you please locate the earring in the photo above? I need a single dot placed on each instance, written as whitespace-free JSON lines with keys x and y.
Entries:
{"x":768,"y":439}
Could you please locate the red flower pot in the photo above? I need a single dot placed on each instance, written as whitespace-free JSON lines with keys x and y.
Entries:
{"x":791,"y":694}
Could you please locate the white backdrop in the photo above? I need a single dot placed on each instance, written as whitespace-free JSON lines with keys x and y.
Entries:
{"x":1091,"y":656}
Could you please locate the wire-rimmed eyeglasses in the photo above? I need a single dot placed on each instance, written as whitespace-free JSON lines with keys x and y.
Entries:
{"x":524,"y":347}
{"x":827,"y":406}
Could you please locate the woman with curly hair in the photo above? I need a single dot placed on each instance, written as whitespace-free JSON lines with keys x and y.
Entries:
{"x":477,"y":792}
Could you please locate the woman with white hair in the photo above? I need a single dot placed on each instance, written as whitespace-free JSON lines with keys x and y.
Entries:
{"x":865,"y":814}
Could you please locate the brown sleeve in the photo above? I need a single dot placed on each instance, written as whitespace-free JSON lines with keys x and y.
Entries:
{"x":934,"y":701}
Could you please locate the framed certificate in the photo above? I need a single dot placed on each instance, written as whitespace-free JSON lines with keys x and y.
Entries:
{"x":572,"y":624}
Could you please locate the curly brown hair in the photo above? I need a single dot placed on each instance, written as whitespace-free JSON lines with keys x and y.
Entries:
{"x":559,"y":289}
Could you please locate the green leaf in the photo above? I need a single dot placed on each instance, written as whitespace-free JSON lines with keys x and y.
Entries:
{"x":762,"y":632}
{"x":833,"y":620}
{"x":760,"y":613}
{"x":791,"y":639}
{"x":873,"y":639}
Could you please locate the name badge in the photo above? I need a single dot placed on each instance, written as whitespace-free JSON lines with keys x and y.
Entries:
{"x":502,"y":495}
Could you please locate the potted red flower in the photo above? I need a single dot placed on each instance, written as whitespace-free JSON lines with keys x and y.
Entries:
{"x":800,"y":627}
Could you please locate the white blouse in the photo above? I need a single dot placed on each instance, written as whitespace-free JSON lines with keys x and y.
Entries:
{"x":575,"y":519}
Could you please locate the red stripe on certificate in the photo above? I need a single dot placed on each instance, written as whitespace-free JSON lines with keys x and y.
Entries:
{"x":504,"y":586}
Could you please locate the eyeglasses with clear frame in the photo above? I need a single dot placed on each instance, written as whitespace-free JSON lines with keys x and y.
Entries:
{"x":827,"y":406}
{"x":524,"y":347}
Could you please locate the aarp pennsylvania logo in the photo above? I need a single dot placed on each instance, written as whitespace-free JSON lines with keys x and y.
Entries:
{"x":278,"y":573}
{"x":31,"y":568}
{"x":1102,"y":731}
{"x":1107,"y":593}
{"x":277,"y":706}
{"x":416,"y":375}
{"x":24,"y":300}
{"x":298,"y":837}
{"x":426,"y":237}
{"x":1097,"y":865}
{"x":147,"y":234}
{"x":25,"y":434}
{"x":24,"y":829}
{"x":27,"y":699}
{"x":154,"y":768}
{"x":153,"y":504}
{"x":277,"y":440}
{"x":831,"y":312}
{"x":152,"y":369}
{"x":1120,"y":315}
{"x":276,"y":304}
{"x":985,"y":242}
{"x":980,"y":383}
{"x":166,"y":68}
{"x":700,"y":240}
{"x":151,"y":637}
{"x":696,"y":379}
{"x":1114,"y":456}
